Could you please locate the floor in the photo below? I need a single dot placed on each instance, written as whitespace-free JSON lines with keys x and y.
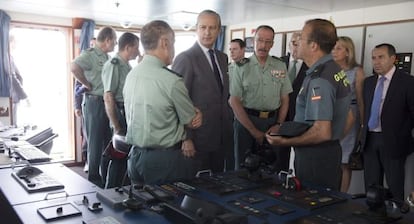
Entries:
{"x":79,"y":170}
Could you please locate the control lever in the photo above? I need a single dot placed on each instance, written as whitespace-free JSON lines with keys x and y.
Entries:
{"x":290,"y":182}
{"x":131,"y":202}
{"x":204,"y":172}
{"x":151,"y":191}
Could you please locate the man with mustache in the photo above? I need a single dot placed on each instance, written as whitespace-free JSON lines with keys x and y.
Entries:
{"x":259,"y":95}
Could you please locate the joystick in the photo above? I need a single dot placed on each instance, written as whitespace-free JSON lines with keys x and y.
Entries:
{"x":131,"y":202}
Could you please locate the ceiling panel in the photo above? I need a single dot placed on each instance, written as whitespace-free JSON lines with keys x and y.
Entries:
{"x":141,"y":11}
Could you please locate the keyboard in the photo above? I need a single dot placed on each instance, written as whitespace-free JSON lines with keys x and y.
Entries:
{"x":35,"y":180}
{"x":31,"y":154}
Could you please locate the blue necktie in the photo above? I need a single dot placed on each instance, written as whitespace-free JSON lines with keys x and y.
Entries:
{"x":215,"y":69}
{"x":374,"y":118}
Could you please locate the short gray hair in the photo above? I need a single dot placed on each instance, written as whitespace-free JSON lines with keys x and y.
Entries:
{"x":152,"y":32}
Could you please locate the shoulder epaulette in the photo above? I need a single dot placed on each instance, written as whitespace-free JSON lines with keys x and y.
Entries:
{"x":277,"y":58}
{"x":317,"y":71}
{"x":115,"y":61}
{"x":243,"y":61}
{"x":90,"y":49}
{"x":175,"y":73}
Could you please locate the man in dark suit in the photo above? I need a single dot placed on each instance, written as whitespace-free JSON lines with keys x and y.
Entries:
{"x":204,"y":70}
{"x":299,"y":73}
{"x":388,"y":120}
{"x":296,"y":72}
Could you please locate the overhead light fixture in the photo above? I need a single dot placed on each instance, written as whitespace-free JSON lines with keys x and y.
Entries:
{"x":185,"y":18}
{"x":187,"y":27}
{"x":124,"y":23}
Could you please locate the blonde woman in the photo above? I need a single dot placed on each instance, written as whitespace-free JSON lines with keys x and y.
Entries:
{"x":344,"y":55}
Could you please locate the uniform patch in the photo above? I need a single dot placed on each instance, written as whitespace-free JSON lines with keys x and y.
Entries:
{"x":243,"y":61}
{"x":316,"y":98}
{"x":115,"y":61}
{"x":341,"y":77}
{"x":315,"y":94}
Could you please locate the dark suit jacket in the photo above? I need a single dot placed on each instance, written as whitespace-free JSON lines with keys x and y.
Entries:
{"x":397,"y":116}
{"x":216,"y":131}
{"x":296,"y":85}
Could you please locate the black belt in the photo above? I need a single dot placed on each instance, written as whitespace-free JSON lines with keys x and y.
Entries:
{"x":176,"y":146}
{"x":261,"y":114}
{"x":374,"y":132}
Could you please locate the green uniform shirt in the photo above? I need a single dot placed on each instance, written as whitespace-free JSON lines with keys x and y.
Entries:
{"x":258,"y":87}
{"x":91,"y":61}
{"x":231,"y":67}
{"x":157,"y":105}
{"x":114,"y":73}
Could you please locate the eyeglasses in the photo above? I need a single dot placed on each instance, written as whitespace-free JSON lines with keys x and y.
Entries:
{"x":266,"y":42}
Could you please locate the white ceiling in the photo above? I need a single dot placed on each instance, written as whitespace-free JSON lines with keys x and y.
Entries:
{"x":141,"y":11}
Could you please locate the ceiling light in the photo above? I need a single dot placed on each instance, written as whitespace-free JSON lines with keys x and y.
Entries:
{"x":184,"y":19}
{"x":124,"y":23}
{"x":187,"y":27}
